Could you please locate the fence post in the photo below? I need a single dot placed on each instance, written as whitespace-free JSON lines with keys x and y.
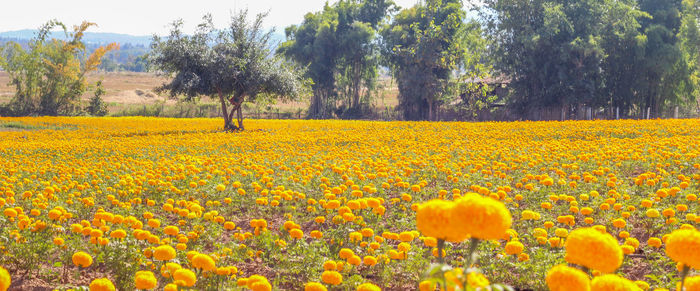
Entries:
{"x":675,"y":112}
{"x":617,"y":112}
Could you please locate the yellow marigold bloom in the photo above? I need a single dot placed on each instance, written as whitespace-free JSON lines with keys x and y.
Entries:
{"x":619,"y":223}
{"x":475,"y":279}
{"x":296,"y":233}
{"x":5,"y":279}
{"x":369,"y":260}
{"x":368,"y":287}
{"x":611,"y":282}
{"x":561,"y":232}
{"x":314,"y":286}
{"x":82,"y":259}
{"x":58,"y":241}
{"x":480,"y":217}
{"x":434,"y":218}
{"x":406,"y":236}
{"x":170,"y":287}
{"x":564,"y":278}
{"x":329,"y":266}
{"x":642,"y":285}
{"x":331,"y":277}
{"x":592,"y":249}
{"x":426,"y":286}
{"x":204,"y":262}
{"x":683,"y":246}
{"x":184,"y":277}
{"x":102,"y":284}
{"x":164,"y":253}
{"x":145,"y":280}
{"x":654,"y":242}
{"x":514,"y":247}
{"x":354,"y":260}
{"x":691,"y":284}
{"x":653,"y":213}
{"x":258,"y":283}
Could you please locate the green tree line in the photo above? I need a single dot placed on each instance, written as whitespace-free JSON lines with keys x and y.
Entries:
{"x":636,"y":58}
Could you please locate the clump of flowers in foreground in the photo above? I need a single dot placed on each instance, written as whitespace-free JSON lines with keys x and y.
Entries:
{"x":471,"y":217}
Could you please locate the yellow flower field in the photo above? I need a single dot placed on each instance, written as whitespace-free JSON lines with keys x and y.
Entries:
{"x":176,"y":204}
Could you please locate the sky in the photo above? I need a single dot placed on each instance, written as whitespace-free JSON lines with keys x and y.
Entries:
{"x":148,"y":17}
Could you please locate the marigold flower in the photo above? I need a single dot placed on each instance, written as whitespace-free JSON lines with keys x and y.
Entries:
{"x":434,"y":218}
{"x":184,"y":277}
{"x":82,"y":259}
{"x":368,"y":287}
{"x":258,"y":283}
{"x":564,"y":278}
{"x":612,"y":282}
{"x":5,"y":279}
{"x":102,"y":284}
{"x":480,"y":217}
{"x":592,"y":249}
{"x":683,"y":246}
{"x":514,"y":247}
{"x":145,"y":280}
{"x":164,"y":253}
{"x":691,"y":284}
{"x":314,"y":286}
{"x":331,"y":277}
{"x":204,"y":262}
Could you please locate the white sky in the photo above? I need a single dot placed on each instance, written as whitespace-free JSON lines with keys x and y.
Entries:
{"x":146,"y":17}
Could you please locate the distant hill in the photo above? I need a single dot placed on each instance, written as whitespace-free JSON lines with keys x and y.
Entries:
{"x":106,"y":37}
{"x":128,"y":58}
{"x":90,"y":37}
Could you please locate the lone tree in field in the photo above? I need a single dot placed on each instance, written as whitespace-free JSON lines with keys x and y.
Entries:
{"x":235,"y":64}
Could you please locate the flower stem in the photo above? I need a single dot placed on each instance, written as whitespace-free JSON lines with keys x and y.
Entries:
{"x":440,"y":247}
{"x":473,"y":243}
{"x":684,"y":273}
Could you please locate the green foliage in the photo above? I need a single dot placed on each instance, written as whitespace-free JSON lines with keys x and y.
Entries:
{"x":423,"y":48}
{"x":235,"y":64}
{"x":97,"y":106}
{"x":49,"y":76}
{"x":624,"y":54}
{"x":341,"y":52}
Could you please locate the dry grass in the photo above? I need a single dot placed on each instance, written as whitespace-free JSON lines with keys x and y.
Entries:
{"x":129,"y":89}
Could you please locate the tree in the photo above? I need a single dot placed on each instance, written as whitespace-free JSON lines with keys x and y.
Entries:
{"x":50,"y":75}
{"x":665,"y":71}
{"x":339,"y":47}
{"x":96,"y":106}
{"x":422,"y":48}
{"x":550,"y":49}
{"x":235,"y":64}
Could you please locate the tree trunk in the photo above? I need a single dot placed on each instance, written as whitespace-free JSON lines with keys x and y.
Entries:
{"x":240,"y":117}
{"x":228,"y":125}
{"x":430,"y":110}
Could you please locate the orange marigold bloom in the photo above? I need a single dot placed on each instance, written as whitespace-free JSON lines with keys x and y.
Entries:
{"x":5,"y":279}
{"x":480,"y":217}
{"x":82,"y":259}
{"x":102,"y":284}
{"x":331,"y":277}
{"x":593,"y":249}
{"x":564,"y":278}
{"x":683,"y":246}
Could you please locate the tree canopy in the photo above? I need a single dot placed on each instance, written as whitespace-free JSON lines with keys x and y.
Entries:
{"x":50,"y":74}
{"x":604,"y":54}
{"x":235,"y":64}
{"x":340,"y":49}
{"x":423,"y":48}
